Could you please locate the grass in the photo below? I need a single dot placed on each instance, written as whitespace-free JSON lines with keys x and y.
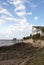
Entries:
{"x":38,"y":59}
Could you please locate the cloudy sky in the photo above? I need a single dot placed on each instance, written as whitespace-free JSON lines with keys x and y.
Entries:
{"x":18,"y":16}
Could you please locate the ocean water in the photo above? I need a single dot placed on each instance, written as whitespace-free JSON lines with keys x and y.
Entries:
{"x":6,"y":42}
{"x":9,"y":42}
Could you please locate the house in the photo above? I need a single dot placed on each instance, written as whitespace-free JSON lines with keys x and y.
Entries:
{"x":37,"y":29}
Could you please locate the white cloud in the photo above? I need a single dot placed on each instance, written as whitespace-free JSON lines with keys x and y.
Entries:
{"x":29,"y":13}
{"x":20,"y":30}
{"x":36,"y":18}
{"x":15,"y":2}
{"x":5,"y":11}
{"x":21,"y":27}
{"x":1,"y":23}
{"x":20,"y":8}
{"x":32,"y":5}
{"x":10,"y":1}
{"x":10,"y":19}
{"x":20,"y":13}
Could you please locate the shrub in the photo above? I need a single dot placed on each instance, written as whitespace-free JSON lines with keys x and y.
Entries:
{"x":30,"y":35}
{"x":36,"y":36}
{"x":42,"y":29}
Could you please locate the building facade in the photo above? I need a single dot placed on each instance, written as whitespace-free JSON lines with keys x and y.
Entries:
{"x":37,"y":29}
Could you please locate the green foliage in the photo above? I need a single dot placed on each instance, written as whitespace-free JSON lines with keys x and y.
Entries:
{"x":30,"y":35}
{"x":42,"y":29}
{"x":14,"y":39}
{"x":37,"y":36}
{"x":25,"y":38}
{"x":39,"y":59}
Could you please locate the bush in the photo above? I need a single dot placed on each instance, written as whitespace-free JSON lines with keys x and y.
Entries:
{"x":25,"y":38}
{"x":42,"y":29}
{"x":14,"y":39}
{"x":37,"y":36}
{"x":30,"y":35}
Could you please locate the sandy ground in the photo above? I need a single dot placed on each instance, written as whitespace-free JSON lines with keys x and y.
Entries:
{"x":38,"y":43}
{"x":28,"y":41}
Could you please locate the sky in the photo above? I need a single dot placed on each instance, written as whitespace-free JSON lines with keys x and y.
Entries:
{"x":18,"y":16}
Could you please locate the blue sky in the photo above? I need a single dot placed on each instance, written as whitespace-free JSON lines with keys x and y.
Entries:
{"x":18,"y":16}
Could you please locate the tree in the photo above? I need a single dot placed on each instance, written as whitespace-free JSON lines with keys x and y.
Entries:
{"x":24,"y":38}
{"x":30,"y":35}
{"x":14,"y":39}
{"x":42,"y":29}
{"x":36,"y":36}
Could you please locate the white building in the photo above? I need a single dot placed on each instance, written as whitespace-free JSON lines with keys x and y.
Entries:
{"x":37,"y":29}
